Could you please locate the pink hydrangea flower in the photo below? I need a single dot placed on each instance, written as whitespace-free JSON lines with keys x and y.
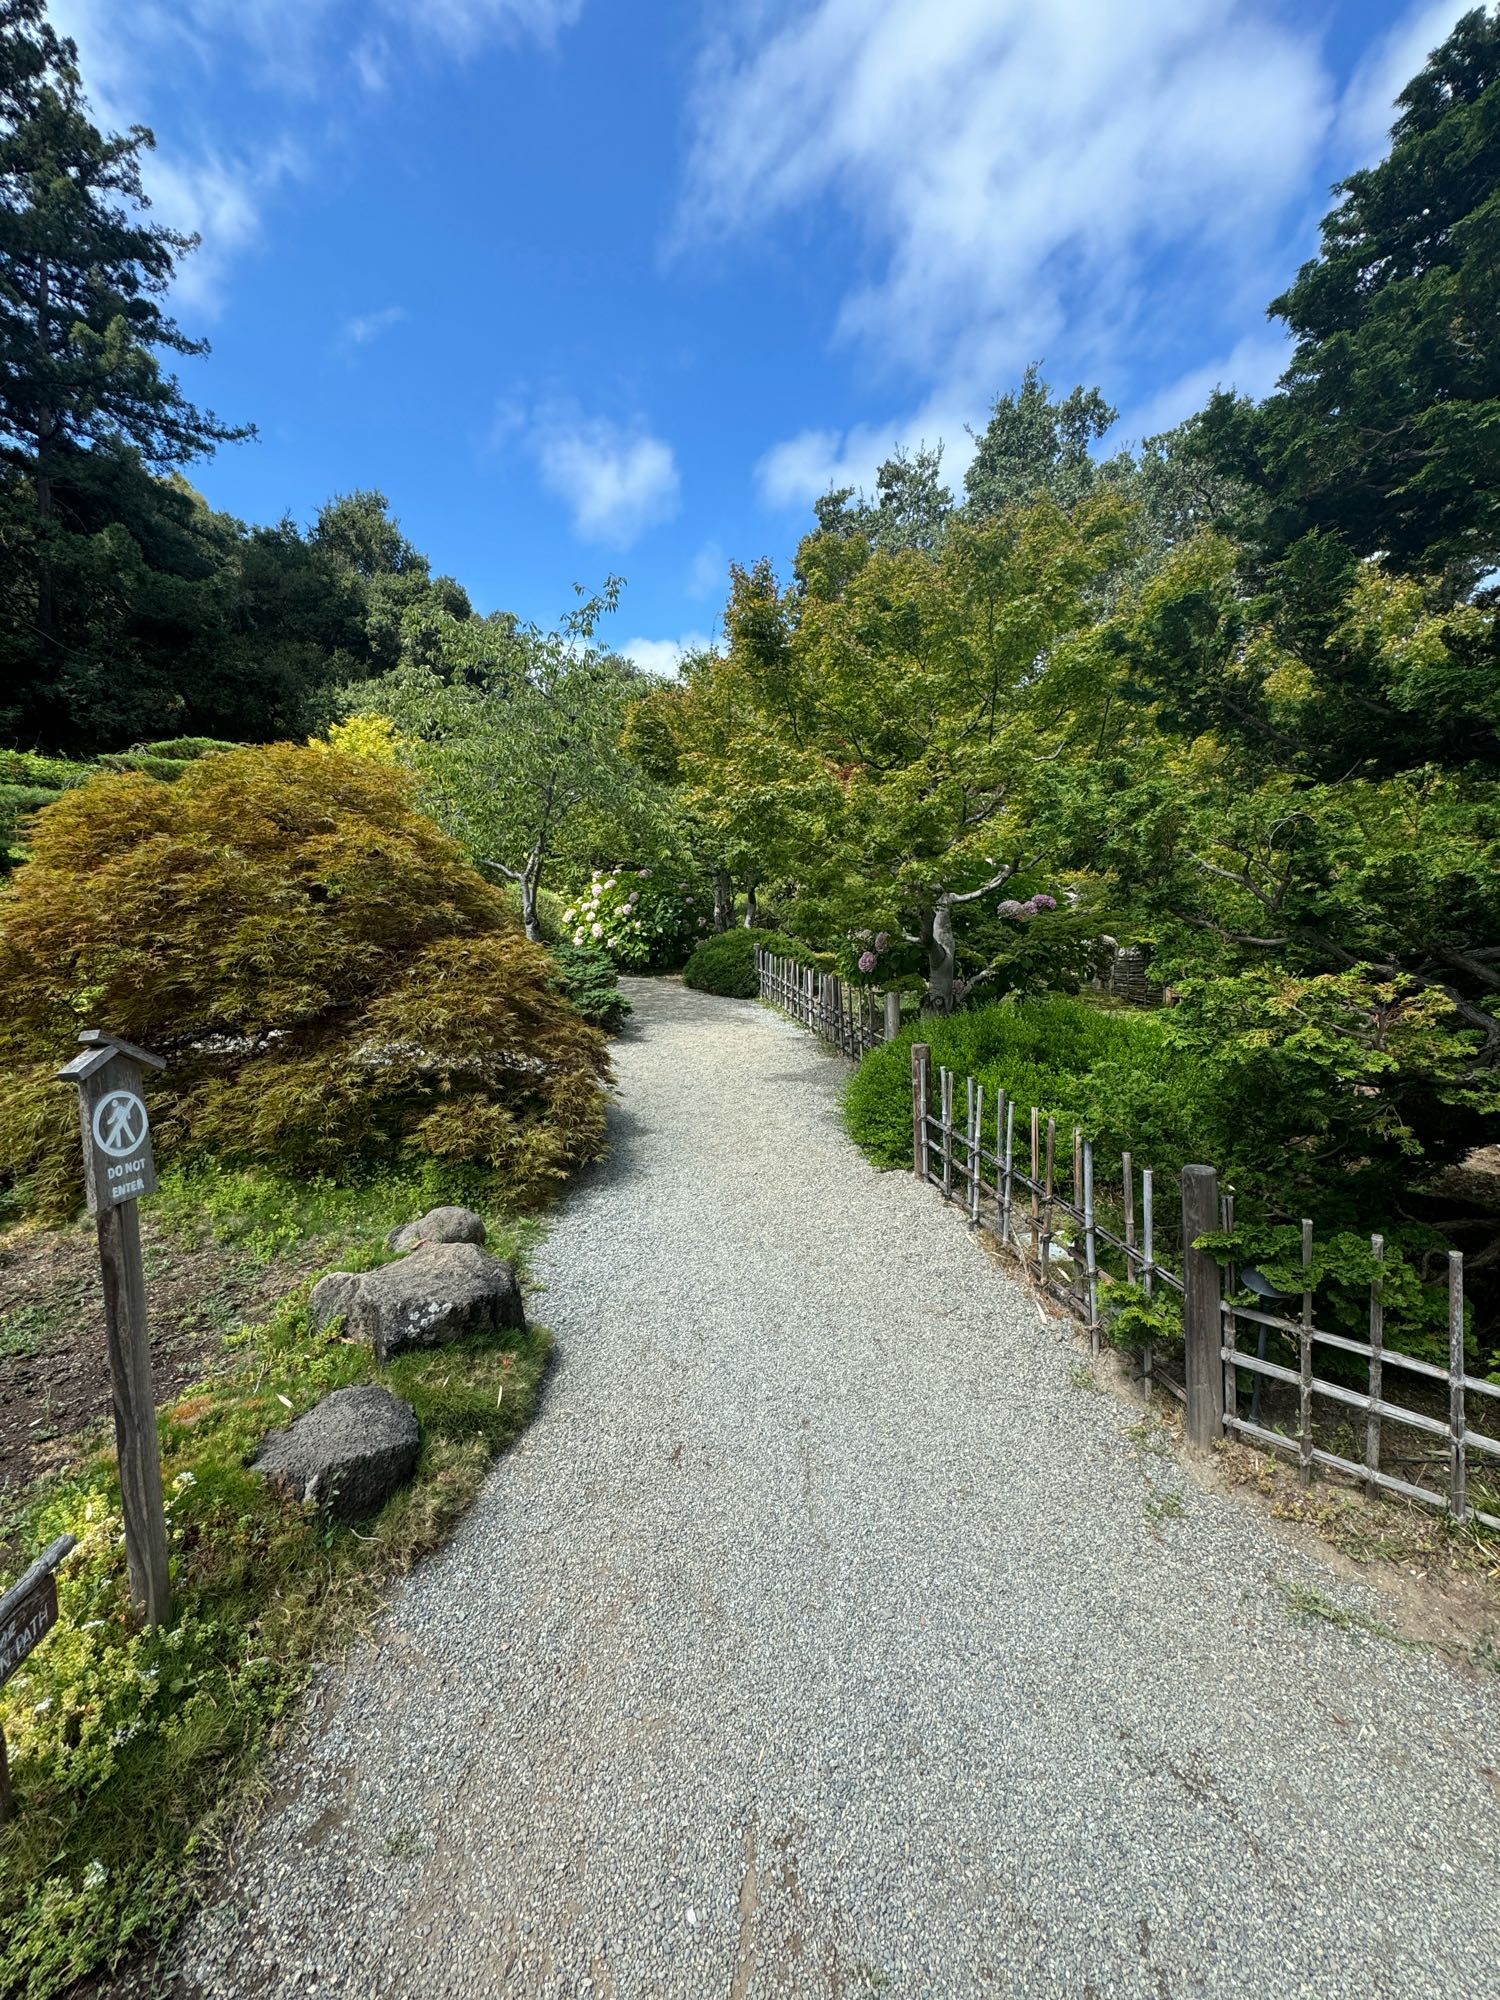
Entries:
{"x":882,"y":939}
{"x":867,"y":961}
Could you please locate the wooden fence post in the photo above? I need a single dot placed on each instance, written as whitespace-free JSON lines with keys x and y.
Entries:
{"x":892,"y":1016}
{"x":921,"y":1091}
{"x":1203,"y":1335}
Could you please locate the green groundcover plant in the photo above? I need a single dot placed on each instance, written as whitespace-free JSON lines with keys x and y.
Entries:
{"x":132,"y":1751}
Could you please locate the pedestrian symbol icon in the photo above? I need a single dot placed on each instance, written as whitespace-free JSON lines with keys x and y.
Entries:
{"x":119,"y":1123}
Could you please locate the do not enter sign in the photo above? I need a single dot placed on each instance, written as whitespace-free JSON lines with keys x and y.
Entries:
{"x":117,"y":1161}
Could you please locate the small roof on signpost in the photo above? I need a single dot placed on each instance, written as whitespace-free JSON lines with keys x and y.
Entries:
{"x":101,"y":1047}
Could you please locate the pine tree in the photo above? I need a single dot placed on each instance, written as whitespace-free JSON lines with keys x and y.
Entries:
{"x":83,"y":272}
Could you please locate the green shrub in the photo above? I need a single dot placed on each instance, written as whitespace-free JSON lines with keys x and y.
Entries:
{"x":589,"y":981}
{"x":1042,"y":1052}
{"x":1139,"y":1081}
{"x":725,"y":962}
{"x":27,"y":783}
{"x":647,"y":919}
{"x":334,"y":987}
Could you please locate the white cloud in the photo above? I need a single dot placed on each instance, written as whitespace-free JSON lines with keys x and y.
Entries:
{"x":464,"y":24}
{"x":365,"y":327}
{"x":616,"y":480}
{"x":1015,"y":174}
{"x":664,"y":656}
{"x":306,"y":49}
{"x":1368,"y":109}
{"x":800,"y":469}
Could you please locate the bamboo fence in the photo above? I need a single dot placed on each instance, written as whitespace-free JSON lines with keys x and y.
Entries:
{"x":1080,"y":1235}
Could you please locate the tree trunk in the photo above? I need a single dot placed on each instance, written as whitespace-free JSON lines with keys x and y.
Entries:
{"x":942,"y":959}
{"x":45,"y":610}
{"x":752,"y":908}
{"x":723,"y":900}
{"x":531,"y":881}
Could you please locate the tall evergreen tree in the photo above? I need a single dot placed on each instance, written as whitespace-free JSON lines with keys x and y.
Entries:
{"x":1386,"y":428}
{"x":83,"y":327}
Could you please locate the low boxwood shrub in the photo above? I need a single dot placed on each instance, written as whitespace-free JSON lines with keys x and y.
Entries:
{"x":1132,"y":1079}
{"x":725,"y":962}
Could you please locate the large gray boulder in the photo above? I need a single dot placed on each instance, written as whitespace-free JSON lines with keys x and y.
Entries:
{"x":440,"y":1293}
{"x":347,"y":1454}
{"x":438,"y":1225}
{"x":332,"y":1297}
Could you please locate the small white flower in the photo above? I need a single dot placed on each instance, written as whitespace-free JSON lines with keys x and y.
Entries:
{"x":95,"y":1875}
{"x":42,"y":1706}
{"x":184,"y":1479}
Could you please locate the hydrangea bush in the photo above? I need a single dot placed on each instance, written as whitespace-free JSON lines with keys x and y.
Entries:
{"x":643,"y":918}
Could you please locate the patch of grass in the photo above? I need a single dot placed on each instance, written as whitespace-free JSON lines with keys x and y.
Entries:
{"x":25,"y":1331}
{"x":1305,"y":1600}
{"x":1081,"y":1375}
{"x":270,"y":1213}
{"x":1149,"y":1436}
{"x":131,"y":1752}
{"x":1161,"y":1507}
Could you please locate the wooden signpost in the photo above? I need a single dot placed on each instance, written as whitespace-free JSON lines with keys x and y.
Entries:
{"x":118,"y":1168}
{"x":28,"y":1611}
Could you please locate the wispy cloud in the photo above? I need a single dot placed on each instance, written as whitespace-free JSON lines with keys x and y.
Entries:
{"x":617,"y":480}
{"x":1368,"y":109}
{"x":708,"y":572}
{"x":1013,"y":174}
{"x":367,"y":327}
{"x":664,"y":656}
{"x":318,"y":52}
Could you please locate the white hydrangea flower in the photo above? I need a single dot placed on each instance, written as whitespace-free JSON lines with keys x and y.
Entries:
{"x":597,"y":930}
{"x":579,"y":935}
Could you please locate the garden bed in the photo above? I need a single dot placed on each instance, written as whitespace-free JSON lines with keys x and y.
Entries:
{"x":134,"y":1754}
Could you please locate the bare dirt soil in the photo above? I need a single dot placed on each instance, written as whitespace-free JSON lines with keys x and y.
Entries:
{"x":54,"y":1373}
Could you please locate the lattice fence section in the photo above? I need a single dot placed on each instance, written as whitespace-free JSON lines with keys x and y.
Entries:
{"x":1041,"y":1200}
{"x":851,"y":1019}
{"x":1398,"y":1423}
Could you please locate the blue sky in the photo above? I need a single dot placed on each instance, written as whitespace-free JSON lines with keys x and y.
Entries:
{"x":587,"y":287}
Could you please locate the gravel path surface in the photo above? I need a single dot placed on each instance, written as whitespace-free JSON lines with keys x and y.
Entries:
{"x":825,"y":1637}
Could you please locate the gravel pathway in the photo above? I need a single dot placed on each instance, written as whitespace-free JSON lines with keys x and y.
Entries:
{"x":825,"y":1637}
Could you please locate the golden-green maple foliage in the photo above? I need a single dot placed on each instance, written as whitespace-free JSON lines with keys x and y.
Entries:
{"x":330,"y":981}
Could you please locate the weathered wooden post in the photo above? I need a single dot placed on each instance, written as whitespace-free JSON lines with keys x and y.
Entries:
{"x":921,"y":1091}
{"x":117,"y":1169}
{"x":892,"y":1016}
{"x":28,"y":1611}
{"x":1202,"y":1329}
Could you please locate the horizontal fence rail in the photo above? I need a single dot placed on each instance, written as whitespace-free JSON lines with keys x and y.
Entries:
{"x":1084,"y":1230}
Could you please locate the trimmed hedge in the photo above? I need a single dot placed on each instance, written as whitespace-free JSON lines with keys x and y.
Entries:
{"x":725,"y":963}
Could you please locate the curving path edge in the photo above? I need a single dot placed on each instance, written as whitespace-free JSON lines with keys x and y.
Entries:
{"x":824,"y":1637}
